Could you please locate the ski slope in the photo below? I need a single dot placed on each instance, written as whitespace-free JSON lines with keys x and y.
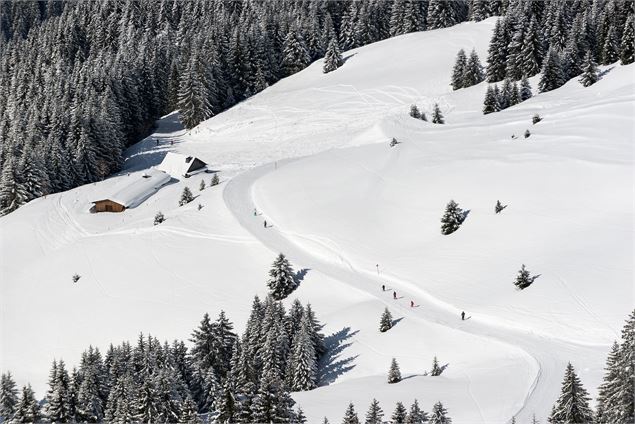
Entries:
{"x":311,"y":154}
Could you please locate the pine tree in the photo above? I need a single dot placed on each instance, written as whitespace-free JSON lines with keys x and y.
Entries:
{"x":531,"y":51}
{"x":193,"y":95}
{"x":473,"y":73}
{"x":281,"y":278}
{"x":590,"y":74}
{"x":394,"y":375}
{"x":627,"y":45}
{"x":439,"y":415}
{"x":27,"y":409}
{"x":295,"y":55}
{"x":525,"y":89}
{"x":490,"y":102}
{"x":498,"y":208}
{"x":158,"y":218}
{"x":400,"y":414}
{"x":385,"y":323}
{"x":215,"y":180}
{"x":552,"y":72}
{"x":147,"y":404}
{"x":225,"y":405}
{"x":497,"y":54}
{"x":505,"y":96}
{"x":437,"y":116}
{"x":201,"y":186}
{"x":186,"y":196}
{"x":304,"y":367}
{"x":414,"y":112}
{"x":524,"y":278}
{"x":416,"y":415}
{"x":606,"y":391}
{"x":458,"y":71}
{"x":436,"y":369}
{"x":375,"y":414}
{"x":515,"y":96}
{"x":189,"y":413}
{"x":333,"y":58}
{"x":452,"y":218}
{"x":8,"y":397}
{"x":350,"y":416}
{"x":573,"y":404}
{"x":58,"y":407}
{"x":12,"y":193}
{"x":611,"y":48}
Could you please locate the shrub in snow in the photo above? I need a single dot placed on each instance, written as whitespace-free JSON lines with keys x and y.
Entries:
{"x":436,"y":369}
{"x":201,"y":187}
{"x":573,"y":404}
{"x":385,"y":323}
{"x":535,"y":119}
{"x":394,"y":375}
{"x":499,"y":207}
{"x":400,"y":414}
{"x":350,"y":416}
{"x":414,"y":112}
{"x":158,"y":218}
{"x":186,"y":196}
{"x":200,"y":206}
{"x":452,"y":218}
{"x":524,"y":279}
{"x":76,"y":278}
{"x":437,"y":116}
{"x":281,"y":278}
{"x":375,"y":414}
{"x":215,"y":180}
{"x":393,"y":142}
{"x":527,"y":133}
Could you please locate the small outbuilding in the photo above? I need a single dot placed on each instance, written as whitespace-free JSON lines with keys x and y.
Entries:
{"x":181,"y":166}
{"x":134,"y":193}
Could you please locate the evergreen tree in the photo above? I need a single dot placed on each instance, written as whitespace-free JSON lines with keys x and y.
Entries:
{"x":193,"y":97}
{"x":458,"y":72}
{"x":531,"y":51}
{"x":590,"y":73}
{"x":437,"y":116}
{"x":186,"y":196}
{"x":58,"y":397}
{"x":439,"y":415}
{"x":147,"y":404}
{"x":627,"y":45}
{"x":515,"y":96}
{"x":215,"y":180}
{"x":304,"y":367}
{"x":12,"y":193}
{"x":416,"y":415}
{"x":490,"y":103}
{"x":158,"y":218}
{"x":201,"y":186}
{"x":27,"y":409}
{"x":281,"y":278}
{"x":573,"y":404}
{"x":189,"y":414}
{"x":473,"y":73}
{"x":606,"y":391}
{"x":8,"y":397}
{"x":452,"y":218}
{"x":394,"y":375}
{"x":385,"y":323}
{"x":552,"y":72}
{"x":375,"y":414}
{"x":524,"y":278}
{"x":400,"y":414}
{"x":497,"y":54}
{"x":436,"y":369}
{"x":414,"y":112}
{"x":525,"y":89}
{"x":225,"y":405}
{"x":272,"y":403}
{"x":611,"y":48}
{"x":505,"y":96}
{"x":333,"y":58}
{"x":295,"y":55}
{"x":350,"y":416}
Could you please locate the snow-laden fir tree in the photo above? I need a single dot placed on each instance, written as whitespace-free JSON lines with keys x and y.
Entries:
{"x":303,"y":359}
{"x":627,"y":45}
{"x":215,"y":181}
{"x":525,"y":89}
{"x":497,"y":54}
{"x":490,"y":103}
{"x":439,"y":415}
{"x":281,"y":278}
{"x":436,"y":369}
{"x":416,"y":415}
{"x":415,"y":112}
{"x":514,"y":99}
{"x":119,"y":407}
{"x":146,"y":404}
{"x":458,"y":71}
{"x":473,"y":73}
{"x":272,"y":402}
{"x":573,"y":404}
{"x":524,"y":279}
{"x":552,"y":73}
{"x":28,"y":408}
{"x":201,"y":186}
{"x":189,"y":414}
{"x":452,"y":218}
{"x":58,"y":407}
{"x":611,"y":48}
{"x":531,"y":50}
{"x":527,"y":134}
{"x":437,"y":116}
{"x":295,"y":55}
{"x":375,"y":414}
{"x":590,"y":74}
{"x":186,"y":196}
{"x":394,"y":374}
{"x":535,"y":119}
{"x":193,"y":99}
{"x":607,"y":389}
{"x":225,"y":405}
{"x":159,"y":218}
{"x":350,"y":416}
{"x":8,"y":397}
{"x":505,"y":96}
{"x":385,"y":323}
{"x":333,"y":58}
{"x":399,"y":415}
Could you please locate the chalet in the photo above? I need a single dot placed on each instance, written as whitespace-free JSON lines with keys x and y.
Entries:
{"x":181,"y":166}
{"x":134,"y":193}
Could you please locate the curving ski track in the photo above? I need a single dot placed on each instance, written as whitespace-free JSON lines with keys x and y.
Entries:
{"x":549,"y":355}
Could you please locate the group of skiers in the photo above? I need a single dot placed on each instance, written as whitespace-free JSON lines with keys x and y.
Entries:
{"x":412,"y":302}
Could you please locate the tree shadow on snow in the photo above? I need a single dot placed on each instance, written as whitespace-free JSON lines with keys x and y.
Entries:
{"x":300,"y":274}
{"x":344,"y":59}
{"x":331,"y":366}
{"x":465,"y":214}
{"x":606,"y":71}
{"x":395,"y":321}
{"x":443,"y":367}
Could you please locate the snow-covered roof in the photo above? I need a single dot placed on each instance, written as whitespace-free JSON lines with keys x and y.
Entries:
{"x":143,"y":186}
{"x":180,"y":165}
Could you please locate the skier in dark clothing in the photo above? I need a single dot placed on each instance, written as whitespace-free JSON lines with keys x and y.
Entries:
{"x":394,"y":295}
{"x":412,"y":303}
{"x":265,"y":223}
{"x":463,"y":316}
{"x":383,"y":287}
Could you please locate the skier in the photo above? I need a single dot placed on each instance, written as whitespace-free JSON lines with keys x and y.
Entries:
{"x":383,"y":287}
{"x":171,"y":142}
{"x":265,"y":223}
{"x":255,"y":212}
{"x":463,"y":316}
{"x":157,"y":140}
{"x":394,"y":295}
{"x":412,"y":303}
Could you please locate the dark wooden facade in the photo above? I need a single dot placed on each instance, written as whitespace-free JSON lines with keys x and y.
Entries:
{"x":107,"y":205}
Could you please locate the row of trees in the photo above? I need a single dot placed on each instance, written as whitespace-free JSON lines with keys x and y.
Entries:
{"x":80,"y":81}
{"x":437,"y":115}
{"x":415,"y":415}
{"x":509,"y":95}
{"x":466,"y":73}
{"x":230,"y":378}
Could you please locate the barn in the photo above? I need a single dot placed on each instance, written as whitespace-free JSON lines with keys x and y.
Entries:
{"x":134,"y":193}
{"x":181,"y":166}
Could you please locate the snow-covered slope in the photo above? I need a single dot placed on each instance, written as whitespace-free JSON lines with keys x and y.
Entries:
{"x":339,"y":213}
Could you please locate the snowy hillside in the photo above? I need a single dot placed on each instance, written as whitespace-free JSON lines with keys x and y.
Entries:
{"x":339,"y":202}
